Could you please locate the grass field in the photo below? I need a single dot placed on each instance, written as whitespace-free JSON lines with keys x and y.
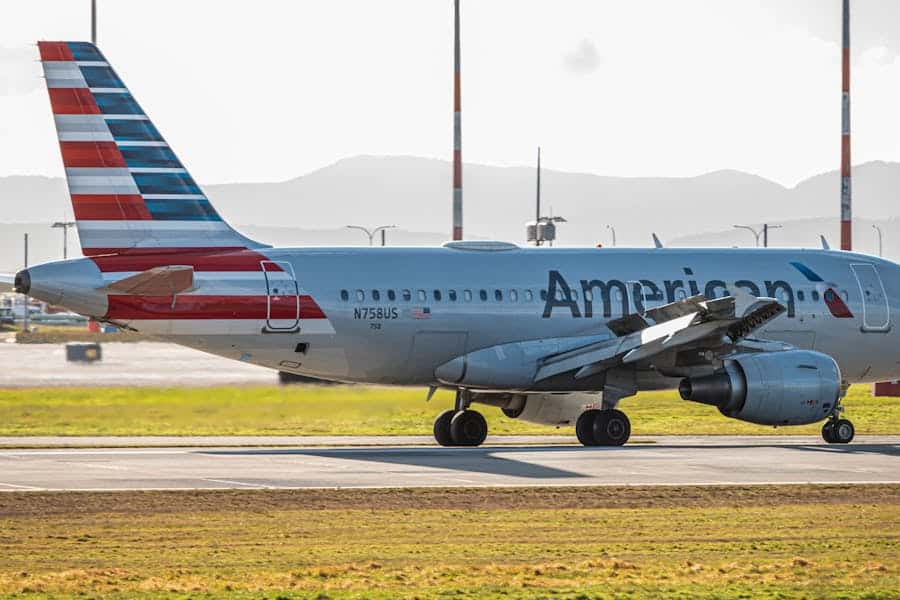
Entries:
{"x":339,"y":410}
{"x":575,"y":543}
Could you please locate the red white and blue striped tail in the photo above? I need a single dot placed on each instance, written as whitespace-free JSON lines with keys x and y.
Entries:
{"x":130,"y":193}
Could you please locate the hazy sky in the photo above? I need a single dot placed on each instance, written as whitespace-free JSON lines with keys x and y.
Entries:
{"x":267,"y":90}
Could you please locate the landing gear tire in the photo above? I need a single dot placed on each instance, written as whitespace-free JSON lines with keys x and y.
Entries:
{"x":442,"y":428}
{"x":611,"y":428}
{"x":839,"y":431}
{"x":468,"y":428}
{"x":843,"y":431}
{"x":828,"y":432}
{"x":584,"y":427}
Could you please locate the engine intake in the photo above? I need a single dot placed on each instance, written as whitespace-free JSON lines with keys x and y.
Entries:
{"x":794,"y":387}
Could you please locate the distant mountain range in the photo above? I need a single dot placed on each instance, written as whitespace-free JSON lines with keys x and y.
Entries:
{"x":414,"y":193}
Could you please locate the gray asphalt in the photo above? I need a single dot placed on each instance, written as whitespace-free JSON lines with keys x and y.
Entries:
{"x":658,"y":461}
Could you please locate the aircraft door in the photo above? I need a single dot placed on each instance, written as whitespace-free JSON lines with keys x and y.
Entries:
{"x":282,"y":297}
{"x":876,"y":310}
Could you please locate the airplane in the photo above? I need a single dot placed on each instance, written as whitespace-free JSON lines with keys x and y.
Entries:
{"x":556,"y":336}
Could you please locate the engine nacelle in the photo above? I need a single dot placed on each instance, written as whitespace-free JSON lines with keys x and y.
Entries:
{"x":794,"y":387}
{"x":543,"y":409}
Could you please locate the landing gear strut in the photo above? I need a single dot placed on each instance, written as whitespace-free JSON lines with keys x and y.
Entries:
{"x":837,"y":430}
{"x":460,"y":426}
{"x":603,"y":428}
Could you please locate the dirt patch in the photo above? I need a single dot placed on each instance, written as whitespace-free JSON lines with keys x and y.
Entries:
{"x":14,"y":504}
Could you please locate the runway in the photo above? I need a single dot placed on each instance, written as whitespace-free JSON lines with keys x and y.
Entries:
{"x":658,"y":461}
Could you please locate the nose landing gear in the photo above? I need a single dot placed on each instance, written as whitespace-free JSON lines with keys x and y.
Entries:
{"x":460,"y":426}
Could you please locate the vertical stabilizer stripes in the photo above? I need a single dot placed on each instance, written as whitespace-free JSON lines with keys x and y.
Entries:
{"x":130,"y":193}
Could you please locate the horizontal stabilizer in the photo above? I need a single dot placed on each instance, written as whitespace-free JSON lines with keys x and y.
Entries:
{"x":159,"y":281}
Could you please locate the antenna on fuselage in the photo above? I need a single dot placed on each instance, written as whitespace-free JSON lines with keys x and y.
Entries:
{"x":656,"y":242}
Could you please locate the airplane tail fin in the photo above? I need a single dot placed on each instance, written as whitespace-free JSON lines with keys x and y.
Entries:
{"x":130,"y":193}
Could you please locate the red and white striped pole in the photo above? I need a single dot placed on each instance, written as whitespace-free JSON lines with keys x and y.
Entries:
{"x":457,"y":133}
{"x":846,"y":189}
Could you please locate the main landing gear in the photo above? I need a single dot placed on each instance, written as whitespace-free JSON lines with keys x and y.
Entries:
{"x":603,"y":428}
{"x":837,"y":430}
{"x":460,"y":426}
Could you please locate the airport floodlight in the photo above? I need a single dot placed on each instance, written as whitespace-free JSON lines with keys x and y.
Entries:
{"x":371,"y":232}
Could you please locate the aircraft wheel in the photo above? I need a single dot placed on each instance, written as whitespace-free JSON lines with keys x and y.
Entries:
{"x":442,"y":428}
{"x":611,"y":428}
{"x":584,"y":427}
{"x":843,"y":431}
{"x":828,"y":432}
{"x":468,"y":428}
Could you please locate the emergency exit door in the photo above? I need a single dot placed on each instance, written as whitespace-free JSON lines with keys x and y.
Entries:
{"x":876,"y":310}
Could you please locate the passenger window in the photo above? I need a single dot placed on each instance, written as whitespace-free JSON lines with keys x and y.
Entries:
{"x":483,"y":295}
{"x":543,"y":295}
{"x":498,"y":295}
{"x":467,"y":295}
{"x":376,"y":295}
{"x":800,"y":295}
{"x":391,"y":295}
{"x":452,"y":295}
{"x":513,"y":296}
{"x":422,"y":295}
{"x":815,"y":295}
{"x":407,"y":295}
{"x":529,"y":296}
{"x":345,"y":295}
{"x":360,"y":295}
{"x":437,"y":295}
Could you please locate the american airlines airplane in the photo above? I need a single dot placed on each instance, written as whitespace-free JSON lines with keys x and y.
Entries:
{"x":556,"y":336}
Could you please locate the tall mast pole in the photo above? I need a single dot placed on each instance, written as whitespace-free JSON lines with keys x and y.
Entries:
{"x":846,"y":189}
{"x":94,"y":22}
{"x":537,"y":217}
{"x":457,"y":131}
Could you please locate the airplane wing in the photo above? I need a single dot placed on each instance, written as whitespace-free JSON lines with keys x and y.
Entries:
{"x":6,"y":282}
{"x":694,"y":321}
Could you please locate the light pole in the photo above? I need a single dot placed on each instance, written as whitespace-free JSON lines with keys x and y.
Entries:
{"x":613,"y":230}
{"x":764,"y":232}
{"x":766,"y":228}
{"x":64,"y":225}
{"x":371,"y":233}
{"x":880,"y":238}
{"x":755,"y":233}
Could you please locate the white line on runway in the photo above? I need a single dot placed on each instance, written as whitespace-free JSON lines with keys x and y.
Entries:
{"x":22,"y":487}
{"x":232,"y":482}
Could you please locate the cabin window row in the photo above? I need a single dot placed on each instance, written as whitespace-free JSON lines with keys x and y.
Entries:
{"x":437,"y":295}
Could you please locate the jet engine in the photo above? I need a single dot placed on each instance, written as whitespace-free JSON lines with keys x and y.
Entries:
{"x":542,"y":409}
{"x":793,"y":387}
